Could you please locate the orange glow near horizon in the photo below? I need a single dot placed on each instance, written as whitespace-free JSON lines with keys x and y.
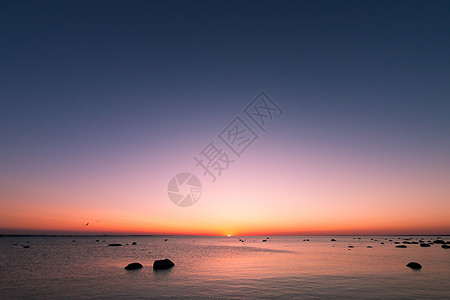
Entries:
{"x":316,"y":195}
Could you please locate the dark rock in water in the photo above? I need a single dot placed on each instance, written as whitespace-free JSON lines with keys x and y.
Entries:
{"x":448,"y":242}
{"x":165,"y":240}
{"x":14,"y":244}
{"x":415,"y":243}
{"x":333,"y":240}
{"x":350,"y":246}
{"x":445,"y":246}
{"x":264,"y":240}
{"x":26,"y":247}
{"x":114,"y":245}
{"x":369,"y":246}
{"x":414,"y":265}
{"x":439,"y":242}
{"x":163,"y":264}
{"x":133,"y":243}
{"x":126,"y":244}
{"x":133,"y":266}
{"x":390,"y":240}
{"x":382,"y":243}
{"x":401,"y":246}
{"x":406,"y":242}
{"x":396,"y":242}
{"x":97,"y":241}
{"x":425,"y":245}
{"x":73,"y":241}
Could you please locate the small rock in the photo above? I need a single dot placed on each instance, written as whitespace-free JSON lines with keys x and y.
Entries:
{"x":133,"y":266}
{"x":26,"y":247}
{"x":425,"y":245}
{"x":414,"y":265}
{"x":401,"y":246}
{"x":439,"y":242}
{"x":133,"y":243}
{"x":264,"y":240}
{"x":369,"y":246}
{"x":382,"y":243}
{"x":350,"y":246}
{"x":415,"y":243}
{"x":163,"y":264}
{"x":114,"y":245}
{"x":97,"y":241}
{"x":165,"y":240}
{"x":333,"y":240}
{"x":445,"y":246}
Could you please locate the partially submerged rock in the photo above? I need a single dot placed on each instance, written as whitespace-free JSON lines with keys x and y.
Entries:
{"x":414,"y":265}
{"x":163,"y":264}
{"x":425,"y":245}
{"x":445,"y":246}
{"x":401,"y":246}
{"x":133,"y":266}
{"x":114,"y":245}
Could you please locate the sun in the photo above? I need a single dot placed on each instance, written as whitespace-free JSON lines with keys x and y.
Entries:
{"x":228,"y":235}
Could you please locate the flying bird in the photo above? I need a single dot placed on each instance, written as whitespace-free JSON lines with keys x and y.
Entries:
{"x":87,"y":224}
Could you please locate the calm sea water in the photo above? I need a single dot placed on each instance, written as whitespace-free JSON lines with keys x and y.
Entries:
{"x":222,"y":267}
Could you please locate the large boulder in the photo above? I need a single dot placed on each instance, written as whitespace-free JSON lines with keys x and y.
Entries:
{"x":163,"y":264}
{"x":445,"y":246}
{"x":133,"y":266}
{"x":414,"y":265}
{"x":425,"y":245}
{"x":439,"y":242}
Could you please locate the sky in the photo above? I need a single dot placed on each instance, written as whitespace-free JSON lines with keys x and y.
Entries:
{"x":102,"y":103}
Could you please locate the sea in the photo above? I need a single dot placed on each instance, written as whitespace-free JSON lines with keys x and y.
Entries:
{"x":281,"y":267}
